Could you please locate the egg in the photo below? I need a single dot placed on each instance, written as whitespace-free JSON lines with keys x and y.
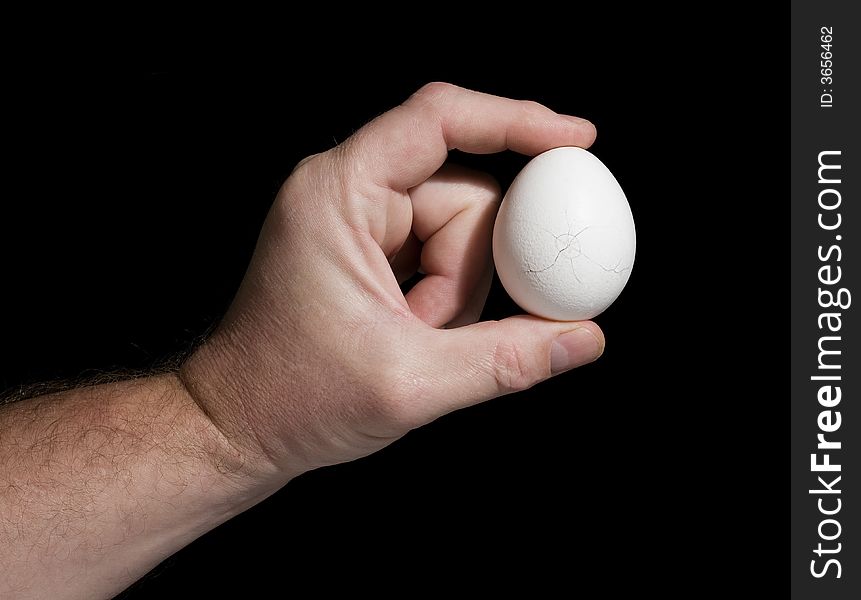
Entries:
{"x":564,"y":239}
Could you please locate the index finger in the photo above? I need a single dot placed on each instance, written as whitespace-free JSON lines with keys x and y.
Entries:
{"x":406,"y":145}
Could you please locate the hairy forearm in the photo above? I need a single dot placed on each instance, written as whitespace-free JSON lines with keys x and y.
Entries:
{"x":99,"y":484}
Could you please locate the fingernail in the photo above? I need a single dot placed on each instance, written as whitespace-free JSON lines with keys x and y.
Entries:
{"x":573,"y":349}
{"x":577,"y":120}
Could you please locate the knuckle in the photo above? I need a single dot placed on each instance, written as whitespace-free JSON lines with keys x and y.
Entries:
{"x":295,"y":202}
{"x":304,"y":175}
{"x":513,"y":369}
{"x":306,"y":164}
{"x":532,"y":109}
{"x":433,"y":91}
{"x":289,"y":198}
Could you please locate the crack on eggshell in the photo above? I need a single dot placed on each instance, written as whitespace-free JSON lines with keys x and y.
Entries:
{"x":572,"y":239}
{"x":614,"y":269}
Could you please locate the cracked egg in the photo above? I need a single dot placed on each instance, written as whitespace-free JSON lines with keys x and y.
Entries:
{"x":564,"y":239}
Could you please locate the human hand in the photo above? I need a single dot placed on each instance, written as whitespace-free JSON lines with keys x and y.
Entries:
{"x":321,"y":358}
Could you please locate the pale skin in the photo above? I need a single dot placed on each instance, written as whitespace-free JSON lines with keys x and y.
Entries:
{"x":320,"y":359}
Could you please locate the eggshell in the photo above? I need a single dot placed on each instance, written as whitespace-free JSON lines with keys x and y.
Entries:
{"x":564,"y":237}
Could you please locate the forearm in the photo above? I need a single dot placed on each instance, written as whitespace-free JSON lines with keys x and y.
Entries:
{"x":99,"y":484}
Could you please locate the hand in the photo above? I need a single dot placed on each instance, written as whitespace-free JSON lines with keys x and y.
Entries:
{"x":321,"y":358}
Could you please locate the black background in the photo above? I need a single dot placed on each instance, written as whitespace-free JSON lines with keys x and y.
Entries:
{"x":132,"y":201}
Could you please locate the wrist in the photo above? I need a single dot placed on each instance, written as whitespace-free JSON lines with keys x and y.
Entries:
{"x":216,"y":379}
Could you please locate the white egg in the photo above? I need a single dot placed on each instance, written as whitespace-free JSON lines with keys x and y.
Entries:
{"x":564,"y":238}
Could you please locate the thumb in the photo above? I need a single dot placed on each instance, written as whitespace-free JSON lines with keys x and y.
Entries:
{"x":492,"y":358}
